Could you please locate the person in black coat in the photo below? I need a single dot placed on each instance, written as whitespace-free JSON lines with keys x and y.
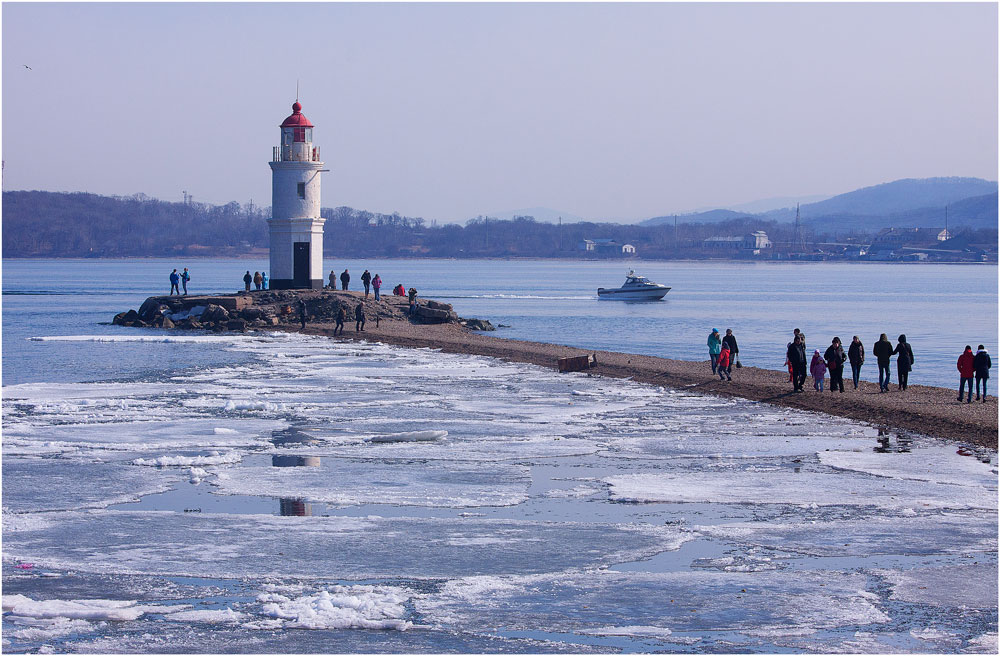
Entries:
{"x":734,"y":349}
{"x":835,"y":359}
{"x":359,"y":318}
{"x":341,"y":315}
{"x":883,"y":352}
{"x":982,"y":363}
{"x":345,"y":278}
{"x":856,"y":354}
{"x":366,"y":280}
{"x":302,"y":313}
{"x":796,"y":355}
{"x":904,"y":362}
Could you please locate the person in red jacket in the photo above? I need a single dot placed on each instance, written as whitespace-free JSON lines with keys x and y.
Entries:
{"x":724,"y":361}
{"x":966,"y":369}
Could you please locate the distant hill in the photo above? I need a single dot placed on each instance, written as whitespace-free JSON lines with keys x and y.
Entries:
{"x":898,"y":197}
{"x":975,"y":212}
{"x":777,"y":203}
{"x":911,"y":202}
{"x":711,"y":216}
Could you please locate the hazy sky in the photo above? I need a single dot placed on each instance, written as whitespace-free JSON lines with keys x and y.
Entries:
{"x":446,"y":111}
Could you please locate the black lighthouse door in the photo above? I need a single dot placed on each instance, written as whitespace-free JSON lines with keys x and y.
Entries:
{"x":300,"y":265}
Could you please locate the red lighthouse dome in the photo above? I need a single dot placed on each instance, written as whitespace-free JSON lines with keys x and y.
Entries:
{"x":297,"y":119}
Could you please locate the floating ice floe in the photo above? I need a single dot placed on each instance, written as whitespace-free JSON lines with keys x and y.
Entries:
{"x":234,"y":546}
{"x":79,"y":609}
{"x":213,"y":458}
{"x":412,"y":436}
{"x":800,"y":601}
{"x":341,"y":607}
{"x":959,"y":586}
{"x":780,"y":486}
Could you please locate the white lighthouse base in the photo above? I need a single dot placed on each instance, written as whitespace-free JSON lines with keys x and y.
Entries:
{"x":296,"y":255}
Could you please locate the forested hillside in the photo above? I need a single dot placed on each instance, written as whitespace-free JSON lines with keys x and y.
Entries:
{"x":46,"y":224}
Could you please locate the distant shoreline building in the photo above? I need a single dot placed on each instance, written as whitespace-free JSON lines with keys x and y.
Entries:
{"x":296,"y":227}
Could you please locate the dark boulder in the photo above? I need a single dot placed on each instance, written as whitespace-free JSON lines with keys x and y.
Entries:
{"x":479,"y":324}
{"x":125,"y":318}
{"x":236,"y":324}
{"x":215,"y":313}
{"x":251,"y":313}
{"x":150,"y":308}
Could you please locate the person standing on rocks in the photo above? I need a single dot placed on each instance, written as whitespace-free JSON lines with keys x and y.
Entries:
{"x":174,"y":279}
{"x":724,"y":363}
{"x":333,"y":280}
{"x":366,"y":280}
{"x":302,"y":313}
{"x":714,"y":347}
{"x":835,"y":358}
{"x":257,"y":280}
{"x":185,"y":276}
{"x":377,"y":284}
{"x":856,"y":354}
{"x":982,"y":364}
{"x":796,"y":355}
{"x":359,"y":320}
{"x":341,"y":316}
{"x":734,"y":350}
{"x":247,"y":279}
{"x":413,"y":301}
{"x":818,"y":369}
{"x":883,"y":352}
{"x":966,"y":369}
{"x":904,"y":363}
{"x":345,"y":279}
{"x":263,"y":279}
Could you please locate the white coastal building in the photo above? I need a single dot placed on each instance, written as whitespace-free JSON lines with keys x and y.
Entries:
{"x":295,"y":226}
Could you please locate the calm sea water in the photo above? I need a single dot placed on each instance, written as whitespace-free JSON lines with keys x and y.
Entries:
{"x":940,"y":308}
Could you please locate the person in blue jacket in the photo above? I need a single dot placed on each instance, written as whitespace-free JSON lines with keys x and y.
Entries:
{"x":185,"y":277}
{"x":714,"y":347}
{"x":174,"y":280}
{"x":263,"y":279}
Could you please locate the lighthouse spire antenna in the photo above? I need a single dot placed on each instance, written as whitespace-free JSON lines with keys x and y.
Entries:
{"x":296,"y":90}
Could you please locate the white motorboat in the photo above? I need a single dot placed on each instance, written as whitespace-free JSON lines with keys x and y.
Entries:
{"x":636,"y":288}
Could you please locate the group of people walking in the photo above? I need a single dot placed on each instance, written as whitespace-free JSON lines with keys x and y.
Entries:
{"x":177,"y":279}
{"x":977,"y":365}
{"x":724,"y":353}
{"x":834,"y":359}
{"x":367,"y":280}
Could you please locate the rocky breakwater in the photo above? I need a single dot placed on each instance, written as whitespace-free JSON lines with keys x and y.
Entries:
{"x":260,"y":310}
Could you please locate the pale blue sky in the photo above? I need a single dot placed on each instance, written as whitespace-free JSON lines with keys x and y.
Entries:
{"x":445,"y":111}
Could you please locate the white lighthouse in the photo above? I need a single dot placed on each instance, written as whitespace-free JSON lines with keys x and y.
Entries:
{"x":296,"y":228}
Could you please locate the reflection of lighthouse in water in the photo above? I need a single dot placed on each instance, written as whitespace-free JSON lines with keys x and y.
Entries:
{"x":295,"y":508}
{"x":295,"y":226}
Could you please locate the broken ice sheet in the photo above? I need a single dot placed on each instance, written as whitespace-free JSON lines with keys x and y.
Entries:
{"x":957,"y":586}
{"x":61,"y":484}
{"x":785,"y":487}
{"x":948,"y":533}
{"x":348,"y":482}
{"x":588,"y":601}
{"x":233,"y":546}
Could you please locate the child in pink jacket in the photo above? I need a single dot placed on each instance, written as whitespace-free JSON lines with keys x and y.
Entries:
{"x":818,"y":369}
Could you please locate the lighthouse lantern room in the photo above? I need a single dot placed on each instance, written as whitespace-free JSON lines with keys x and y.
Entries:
{"x":295,"y":226}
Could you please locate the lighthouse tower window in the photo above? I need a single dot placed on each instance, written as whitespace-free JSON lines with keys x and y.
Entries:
{"x":303,"y":135}
{"x":302,"y":190}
